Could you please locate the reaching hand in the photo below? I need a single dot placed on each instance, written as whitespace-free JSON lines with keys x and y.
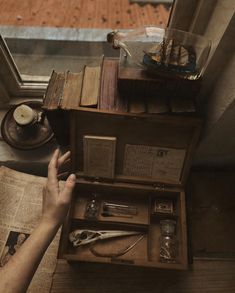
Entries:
{"x":55,"y":200}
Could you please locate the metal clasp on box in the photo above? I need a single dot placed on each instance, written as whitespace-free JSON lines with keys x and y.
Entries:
{"x":159,"y":187}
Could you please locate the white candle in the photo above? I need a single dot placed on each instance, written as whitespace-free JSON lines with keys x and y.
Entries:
{"x":24,"y":115}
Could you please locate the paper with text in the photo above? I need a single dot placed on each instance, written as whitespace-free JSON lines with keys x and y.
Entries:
{"x":20,"y":211}
{"x":153,"y":162}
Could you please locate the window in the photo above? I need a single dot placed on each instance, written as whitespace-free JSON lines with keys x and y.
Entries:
{"x":50,"y":50}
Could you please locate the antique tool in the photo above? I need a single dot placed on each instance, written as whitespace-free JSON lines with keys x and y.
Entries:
{"x":115,"y":214}
{"x":120,"y":209}
{"x":83,"y":237}
{"x":119,"y":253}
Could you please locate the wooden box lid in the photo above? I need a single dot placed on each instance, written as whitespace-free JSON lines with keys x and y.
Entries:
{"x":150,"y":149}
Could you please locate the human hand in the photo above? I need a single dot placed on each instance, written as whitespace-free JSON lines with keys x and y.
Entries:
{"x":56,"y":200}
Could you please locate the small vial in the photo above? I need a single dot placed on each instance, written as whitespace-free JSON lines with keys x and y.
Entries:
{"x":92,"y":208}
{"x":168,"y":242}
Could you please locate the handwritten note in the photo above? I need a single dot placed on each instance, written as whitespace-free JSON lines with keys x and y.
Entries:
{"x":153,"y":161}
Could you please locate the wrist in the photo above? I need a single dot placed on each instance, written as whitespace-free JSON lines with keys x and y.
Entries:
{"x":49,"y":224}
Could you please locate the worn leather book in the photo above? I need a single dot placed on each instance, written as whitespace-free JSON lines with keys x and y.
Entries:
{"x":161,"y":94}
{"x":54,"y":90}
{"x":110,"y":99}
{"x":91,"y":86}
{"x":136,"y":104}
{"x":70,"y":91}
{"x":63,"y":93}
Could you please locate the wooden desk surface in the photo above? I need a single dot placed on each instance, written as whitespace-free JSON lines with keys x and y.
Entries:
{"x":203,"y":276}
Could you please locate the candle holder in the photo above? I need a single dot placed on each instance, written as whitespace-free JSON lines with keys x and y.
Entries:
{"x":25,"y":126}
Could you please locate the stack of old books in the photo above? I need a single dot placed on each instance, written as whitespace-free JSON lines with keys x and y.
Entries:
{"x":105,"y":86}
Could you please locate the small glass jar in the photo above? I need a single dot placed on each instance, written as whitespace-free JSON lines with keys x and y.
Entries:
{"x":168,"y":242}
{"x":92,"y":208}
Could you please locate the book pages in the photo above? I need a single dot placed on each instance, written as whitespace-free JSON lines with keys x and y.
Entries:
{"x":20,"y":211}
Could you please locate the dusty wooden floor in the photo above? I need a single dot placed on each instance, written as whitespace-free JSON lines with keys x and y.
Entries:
{"x":82,"y":13}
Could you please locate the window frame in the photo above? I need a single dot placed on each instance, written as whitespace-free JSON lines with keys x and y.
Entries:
{"x":185,"y":15}
{"x":13,"y":81}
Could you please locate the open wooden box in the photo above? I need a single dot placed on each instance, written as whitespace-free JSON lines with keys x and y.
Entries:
{"x":152,"y":160}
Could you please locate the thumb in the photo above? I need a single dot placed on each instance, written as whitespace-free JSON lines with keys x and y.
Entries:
{"x":66,"y":193}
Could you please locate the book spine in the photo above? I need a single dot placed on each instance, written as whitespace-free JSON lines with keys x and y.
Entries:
{"x":110,"y":99}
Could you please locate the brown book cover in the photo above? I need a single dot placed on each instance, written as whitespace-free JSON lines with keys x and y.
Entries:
{"x":91,"y":86}
{"x":136,"y":99}
{"x":72,"y":91}
{"x":110,"y":99}
{"x":54,"y":92}
{"x":137,"y":104}
{"x":157,"y":105}
{"x":63,"y":93}
{"x":157,"y":102}
{"x":47,"y":97}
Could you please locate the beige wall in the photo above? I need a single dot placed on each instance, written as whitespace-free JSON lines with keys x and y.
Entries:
{"x":217,"y":146}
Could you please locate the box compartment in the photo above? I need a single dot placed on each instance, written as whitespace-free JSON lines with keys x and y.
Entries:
{"x":141,"y":192}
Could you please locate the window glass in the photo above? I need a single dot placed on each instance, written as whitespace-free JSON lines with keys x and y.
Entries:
{"x":67,"y":36}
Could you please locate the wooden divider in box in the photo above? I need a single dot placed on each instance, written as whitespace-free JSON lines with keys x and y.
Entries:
{"x":146,"y":252}
{"x":150,"y":139}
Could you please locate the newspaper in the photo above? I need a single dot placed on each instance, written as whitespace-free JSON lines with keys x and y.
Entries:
{"x":20,"y":211}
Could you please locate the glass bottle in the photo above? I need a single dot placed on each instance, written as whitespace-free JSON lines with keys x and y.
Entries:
{"x":92,"y":207}
{"x":168,"y":243}
{"x":163,"y":51}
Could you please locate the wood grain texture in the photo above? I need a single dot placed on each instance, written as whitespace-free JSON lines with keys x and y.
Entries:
{"x":209,"y":276}
{"x":211,"y":205}
{"x":82,"y":13}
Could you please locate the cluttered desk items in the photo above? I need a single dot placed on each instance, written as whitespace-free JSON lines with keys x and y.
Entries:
{"x":132,"y":127}
{"x":167,"y":52}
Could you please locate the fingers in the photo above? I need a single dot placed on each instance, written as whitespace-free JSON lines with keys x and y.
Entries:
{"x":52,"y":169}
{"x":63,"y":158}
{"x":66,"y":194}
{"x":63,"y":175}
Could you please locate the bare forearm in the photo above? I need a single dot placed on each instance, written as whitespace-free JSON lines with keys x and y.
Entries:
{"x":16,"y":275}
{"x":18,"y":272}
